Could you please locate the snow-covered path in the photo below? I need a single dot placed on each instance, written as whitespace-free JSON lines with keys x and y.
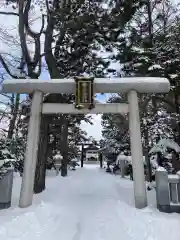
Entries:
{"x":89,"y":204}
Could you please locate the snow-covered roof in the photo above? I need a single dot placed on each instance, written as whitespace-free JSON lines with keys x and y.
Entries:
{"x":105,"y":85}
{"x":91,"y":148}
{"x":57,"y":156}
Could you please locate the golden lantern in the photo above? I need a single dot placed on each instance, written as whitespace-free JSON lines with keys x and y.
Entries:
{"x":84,"y":94}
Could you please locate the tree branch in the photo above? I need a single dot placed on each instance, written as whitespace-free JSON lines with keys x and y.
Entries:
{"x":24,"y":29}
{"x":6,"y":67}
{"x":50,"y":60}
{"x":9,"y":13}
{"x":26,"y":22}
{"x":22,"y":34}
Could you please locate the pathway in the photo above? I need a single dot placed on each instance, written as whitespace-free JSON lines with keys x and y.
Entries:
{"x":88,"y":205}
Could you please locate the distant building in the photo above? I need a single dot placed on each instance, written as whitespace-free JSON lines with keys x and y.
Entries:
{"x":91,"y":154}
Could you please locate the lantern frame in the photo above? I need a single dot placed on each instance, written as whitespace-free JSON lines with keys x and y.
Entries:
{"x":81,"y":93}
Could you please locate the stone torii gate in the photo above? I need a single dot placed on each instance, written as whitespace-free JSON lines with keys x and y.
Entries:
{"x":132,"y":86}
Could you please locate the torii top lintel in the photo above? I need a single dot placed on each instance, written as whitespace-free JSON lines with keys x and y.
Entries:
{"x":101,"y":85}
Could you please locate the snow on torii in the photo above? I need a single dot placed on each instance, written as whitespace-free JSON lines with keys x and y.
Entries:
{"x":101,"y":85}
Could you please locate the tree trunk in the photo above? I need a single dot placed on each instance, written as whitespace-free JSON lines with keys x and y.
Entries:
{"x":82,"y":155}
{"x":64,"y":165}
{"x":101,"y":160}
{"x":40,"y":175}
{"x":147,"y":159}
{"x":49,"y":57}
{"x":12,"y":123}
{"x":176,"y":101}
{"x":64,"y":146}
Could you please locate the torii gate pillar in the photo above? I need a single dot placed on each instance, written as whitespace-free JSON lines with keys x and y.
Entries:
{"x":27,"y":186}
{"x":136,"y":151}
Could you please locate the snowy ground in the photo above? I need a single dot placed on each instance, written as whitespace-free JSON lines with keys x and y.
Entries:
{"x":87,"y":205}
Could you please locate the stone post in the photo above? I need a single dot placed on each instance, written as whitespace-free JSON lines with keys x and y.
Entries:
{"x":27,"y":186}
{"x":140,"y":194}
{"x":162,"y":190}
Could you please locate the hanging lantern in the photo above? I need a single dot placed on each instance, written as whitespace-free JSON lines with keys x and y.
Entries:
{"x":84,"y":94}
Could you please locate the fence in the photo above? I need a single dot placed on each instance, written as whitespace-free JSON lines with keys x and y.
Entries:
{"x":167,"y":191}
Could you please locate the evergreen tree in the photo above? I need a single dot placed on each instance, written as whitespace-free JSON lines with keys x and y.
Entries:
{"x":115,"y":129}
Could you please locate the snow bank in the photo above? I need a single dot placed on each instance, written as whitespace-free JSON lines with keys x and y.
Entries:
{"x":88,"y":204}
{"x":148,"y":225}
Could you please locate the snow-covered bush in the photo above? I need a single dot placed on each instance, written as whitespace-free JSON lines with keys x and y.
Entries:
{"x":161,"y":154}
{"x":163,"y":145}
{"x":5,"y":150}
{"x":5,"y":166}
{"x":6,"y":157}
{"x":12,"y":154}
